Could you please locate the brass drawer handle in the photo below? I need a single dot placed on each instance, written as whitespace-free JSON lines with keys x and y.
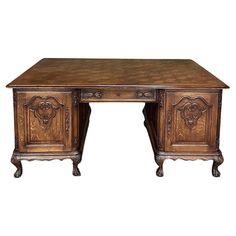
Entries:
{"x":144,"y":94}
{"x":96,"y":94}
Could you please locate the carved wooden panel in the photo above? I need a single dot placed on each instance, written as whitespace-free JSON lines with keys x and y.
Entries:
{"x":44,"y":120}
{"x":45,"y":116}
{"x":191,"y":122}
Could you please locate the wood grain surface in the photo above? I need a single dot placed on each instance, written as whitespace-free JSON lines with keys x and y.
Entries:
{"x":155,"y":73}
{"x":182,"y":110}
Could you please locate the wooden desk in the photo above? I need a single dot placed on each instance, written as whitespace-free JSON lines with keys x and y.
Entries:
{"x":182,"y":107}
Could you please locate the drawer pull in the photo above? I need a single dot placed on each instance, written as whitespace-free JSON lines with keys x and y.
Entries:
{"x":144,"y":94}
{"x":96,"y":94}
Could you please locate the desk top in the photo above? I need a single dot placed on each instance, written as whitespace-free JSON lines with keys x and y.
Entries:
{"x":154,"y":73}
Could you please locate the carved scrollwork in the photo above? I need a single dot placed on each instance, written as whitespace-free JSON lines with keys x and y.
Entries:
{"x":44,"y":108}
{"x":92,"y":94}
{"x":144,"y":94}
{"x":67,"y":121}
{"x":169,"y":122}
{"x":191,"y":109}
{"x":161,"y":98}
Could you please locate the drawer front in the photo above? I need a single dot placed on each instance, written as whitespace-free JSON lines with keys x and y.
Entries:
{"x":118,"y":94}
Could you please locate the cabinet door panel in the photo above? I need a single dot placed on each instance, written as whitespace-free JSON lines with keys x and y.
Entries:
{"x":44,"y":121}
{"x":191,"y":121}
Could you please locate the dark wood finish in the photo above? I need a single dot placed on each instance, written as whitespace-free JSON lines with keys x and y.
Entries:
{"x":182,"y":107}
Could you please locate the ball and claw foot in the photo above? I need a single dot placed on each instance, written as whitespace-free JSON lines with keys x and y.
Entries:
{"x":76,"y":171}
{"x":18,"y":165}
{"x":218,"y":161}
{"x":159,"y":161}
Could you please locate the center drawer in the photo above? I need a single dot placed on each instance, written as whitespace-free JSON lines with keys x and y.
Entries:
{"x":117,"y":94}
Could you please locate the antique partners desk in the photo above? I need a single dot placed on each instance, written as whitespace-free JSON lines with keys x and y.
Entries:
{"x":182,"y":107}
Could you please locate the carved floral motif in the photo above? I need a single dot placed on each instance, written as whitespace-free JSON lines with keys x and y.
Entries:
{"x":191,"y":109}
{"x":44,"y":108}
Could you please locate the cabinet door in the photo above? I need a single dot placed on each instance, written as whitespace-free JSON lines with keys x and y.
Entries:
{"x":43,"y":121}
{"x":192,"y":120}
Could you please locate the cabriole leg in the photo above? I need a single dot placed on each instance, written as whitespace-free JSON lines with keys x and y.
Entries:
{"x":159,"y":160}
{"x":76,"y":160}
{"x":216,"y":163}
{"x":18,"y":165}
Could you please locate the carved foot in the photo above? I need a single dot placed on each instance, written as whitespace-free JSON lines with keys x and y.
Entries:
{"x":159,"y":160}
{"x":76,"y":161}
{"x":218,"y":161}
{"x":17,"y":164}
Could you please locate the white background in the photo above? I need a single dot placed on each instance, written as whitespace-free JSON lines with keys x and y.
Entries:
{"x":118,"y":192}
